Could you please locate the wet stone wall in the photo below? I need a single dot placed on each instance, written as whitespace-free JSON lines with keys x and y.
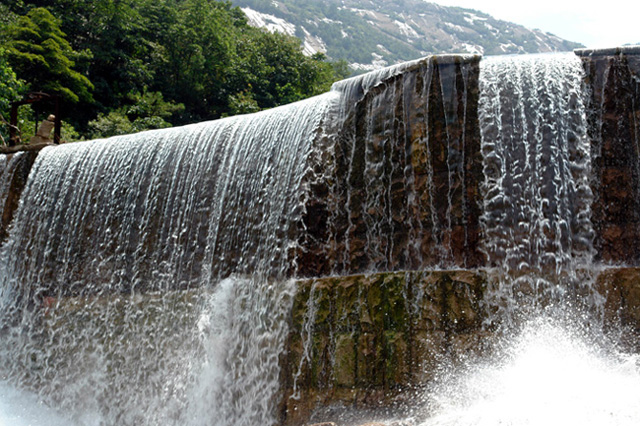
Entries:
{"x":14,"y":172}
{"x":364,"y":342}
{"x":397,"y":185}
{"x":395,"y":176}
{"x":613,"y":82}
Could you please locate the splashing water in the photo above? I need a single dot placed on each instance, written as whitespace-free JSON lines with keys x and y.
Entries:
{"x":21,"y":408}
{"x":548,"y":375}
{"x":558,"y":368}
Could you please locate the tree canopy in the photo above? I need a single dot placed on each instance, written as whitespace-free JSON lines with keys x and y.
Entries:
{"x":39,"y":52}
{"x":10,"y":90}
{"x":194,"y":60}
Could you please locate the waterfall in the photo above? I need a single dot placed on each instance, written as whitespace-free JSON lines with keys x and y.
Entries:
{"x":140,"y":266}
{"x":537,"y":199}
{"x":145,"y":278}
{"x":552,"y":362}
{"x":384,"y":232}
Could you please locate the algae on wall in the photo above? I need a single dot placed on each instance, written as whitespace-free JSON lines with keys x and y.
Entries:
{"x":363,"y":339}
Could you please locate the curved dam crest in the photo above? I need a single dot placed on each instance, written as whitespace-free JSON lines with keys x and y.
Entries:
{"x":329,"y":260}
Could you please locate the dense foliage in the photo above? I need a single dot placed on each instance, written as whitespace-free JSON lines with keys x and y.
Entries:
{"x":122,"y":66}
{"x":10,"y":90}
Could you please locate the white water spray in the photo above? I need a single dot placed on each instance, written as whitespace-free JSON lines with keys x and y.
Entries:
{"x":549,"y":375}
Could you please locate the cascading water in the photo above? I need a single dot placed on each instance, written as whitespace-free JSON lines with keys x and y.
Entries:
{"x":98,"y":315}
{"x":552,"y":364}
{"x":13,"y":170}
{"x":6,"y":170}
{"x":149,"y":279}
{"x":537,"y":203}
{"x":104,"y":316}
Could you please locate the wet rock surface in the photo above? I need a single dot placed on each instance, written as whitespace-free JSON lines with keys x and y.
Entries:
{"x":13,"y":178}
{"x":613,"y":81}
{"x":398,"y":185}
{"x":366,"y":342}
{"x":621,"y":289}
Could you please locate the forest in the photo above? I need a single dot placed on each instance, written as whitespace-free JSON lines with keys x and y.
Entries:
{"x":123,"y":66}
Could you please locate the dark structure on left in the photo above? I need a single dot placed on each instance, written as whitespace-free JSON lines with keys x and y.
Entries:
{"x":34,"y":98}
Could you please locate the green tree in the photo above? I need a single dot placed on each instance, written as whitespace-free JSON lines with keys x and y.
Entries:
{"x":146,"y":111}
{"x":114,"y":123}
{"x":40,"y":54}
{"x":198,"y":53}
{"x":276,"y":70}
{"x":198,"y":48}
{"x":243,"y":103}
{"x":7,"y":17}
{"x":10,"y":90}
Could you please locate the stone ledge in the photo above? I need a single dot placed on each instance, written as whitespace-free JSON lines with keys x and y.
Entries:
{"x":611,"y":51}
{"x":25,"y":148}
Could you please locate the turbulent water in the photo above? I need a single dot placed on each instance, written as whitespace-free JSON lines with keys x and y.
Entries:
{"x":551,"y":374}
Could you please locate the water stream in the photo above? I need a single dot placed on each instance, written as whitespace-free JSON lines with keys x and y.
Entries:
{"x":553,"y":364}
{"x":144,"y":277}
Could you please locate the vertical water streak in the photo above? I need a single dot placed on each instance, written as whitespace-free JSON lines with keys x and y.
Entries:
{"x":536,"y":219}
{"x":306,"y":338}
{"x":14,"y":169}
{"x":434,"y":231}
{"x":114,"y":264}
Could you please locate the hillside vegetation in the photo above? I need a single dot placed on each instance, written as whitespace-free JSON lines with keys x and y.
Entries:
{"x":374,"y":33}
{"x":122,"y":66}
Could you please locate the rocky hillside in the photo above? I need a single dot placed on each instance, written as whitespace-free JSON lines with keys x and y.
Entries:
{"x":371,"y":34}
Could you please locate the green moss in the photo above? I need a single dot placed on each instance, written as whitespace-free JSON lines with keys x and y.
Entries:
{"x":396,"y":357}
{"x":344,"y":369}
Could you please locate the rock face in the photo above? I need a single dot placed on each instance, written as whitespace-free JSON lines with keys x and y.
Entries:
{"x":14,"y":172}
{"x":621,"y":288}
{"x":613,"y":78}
{"x":397,"y":185}
{"x":362,"y":341}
